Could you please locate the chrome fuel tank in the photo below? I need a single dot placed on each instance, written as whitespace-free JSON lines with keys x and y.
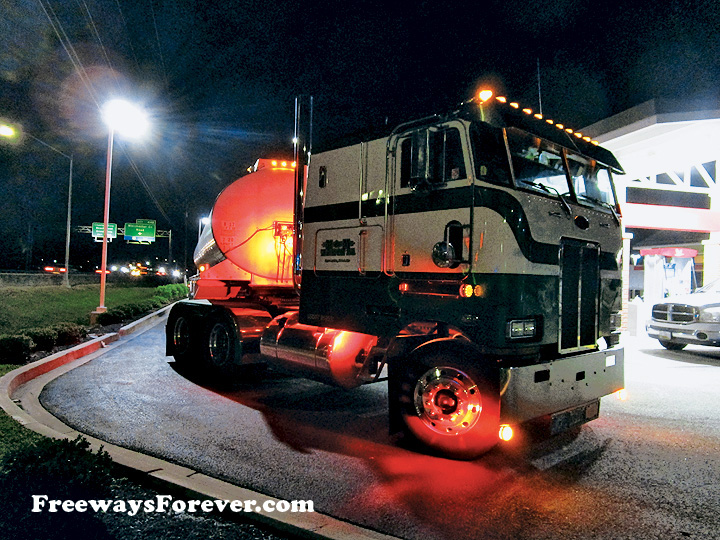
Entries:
{"x":329,"y":355}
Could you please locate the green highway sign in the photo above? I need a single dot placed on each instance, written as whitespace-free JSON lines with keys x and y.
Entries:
{"x":142,"y":230}
{"x":98,"y":230}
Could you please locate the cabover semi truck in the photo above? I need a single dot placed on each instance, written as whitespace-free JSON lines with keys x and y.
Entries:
{"x":470,"y":259}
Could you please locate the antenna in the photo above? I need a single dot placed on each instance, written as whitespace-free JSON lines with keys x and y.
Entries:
{"x":538,"y":80}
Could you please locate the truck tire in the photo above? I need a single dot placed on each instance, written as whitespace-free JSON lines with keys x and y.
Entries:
{"x":181,"y":339}
{"x":670,"y":346}
{"x":449,"y":406}
{"x":221,"y":347}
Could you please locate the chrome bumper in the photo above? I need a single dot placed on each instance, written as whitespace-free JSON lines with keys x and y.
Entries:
{"x":538,"y":390}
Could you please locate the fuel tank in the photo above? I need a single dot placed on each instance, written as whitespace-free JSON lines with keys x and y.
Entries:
{"x":251,"y":224}
{"x":329,"y":355}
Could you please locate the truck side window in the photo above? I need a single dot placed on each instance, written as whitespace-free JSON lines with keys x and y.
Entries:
{"x":449,"y":162}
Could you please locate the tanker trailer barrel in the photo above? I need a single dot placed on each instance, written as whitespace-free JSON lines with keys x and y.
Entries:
{"x":251,"y":224}
{"x":207,"y":251}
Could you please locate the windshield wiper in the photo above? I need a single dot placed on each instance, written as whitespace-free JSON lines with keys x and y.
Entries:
{"x":604,"y":205}
{"x":553,"y":191}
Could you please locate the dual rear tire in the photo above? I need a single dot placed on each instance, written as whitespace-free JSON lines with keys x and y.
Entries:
{"x":206,"y":346}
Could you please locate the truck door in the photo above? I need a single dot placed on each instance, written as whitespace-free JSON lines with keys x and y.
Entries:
{"x":430,"y":197}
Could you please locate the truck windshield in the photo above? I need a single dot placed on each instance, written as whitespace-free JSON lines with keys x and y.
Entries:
{"x":537,"y":163}
{"x":592,"y":183}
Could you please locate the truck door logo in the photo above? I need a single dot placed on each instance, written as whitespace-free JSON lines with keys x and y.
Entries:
{"x":338,"y":248}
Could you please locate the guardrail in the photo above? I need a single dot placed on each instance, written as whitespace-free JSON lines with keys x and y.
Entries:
{"x":17,"y":279}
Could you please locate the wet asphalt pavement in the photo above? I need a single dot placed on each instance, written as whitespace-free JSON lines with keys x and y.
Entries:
{"x":648,"y":468}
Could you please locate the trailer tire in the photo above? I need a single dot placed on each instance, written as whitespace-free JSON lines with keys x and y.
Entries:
{"x":449,"y":406}
{"x":181,"y":339}
{"x":221,"y":347}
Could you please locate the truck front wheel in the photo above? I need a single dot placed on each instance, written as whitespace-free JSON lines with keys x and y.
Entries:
{"x":450,"y":407}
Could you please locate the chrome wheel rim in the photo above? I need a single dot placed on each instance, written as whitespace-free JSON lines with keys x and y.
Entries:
{"x":181,"y":335}
{"x":447,"y":401}
{"x":219,"y":345}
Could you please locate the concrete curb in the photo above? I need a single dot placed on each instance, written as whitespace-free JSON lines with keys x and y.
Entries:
{"x":27,"y":410}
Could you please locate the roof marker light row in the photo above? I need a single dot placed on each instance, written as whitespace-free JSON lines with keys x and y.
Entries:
{"x":485,"y":95}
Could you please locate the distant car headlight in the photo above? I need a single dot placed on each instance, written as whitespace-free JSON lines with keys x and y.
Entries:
{"x":710,"y":314}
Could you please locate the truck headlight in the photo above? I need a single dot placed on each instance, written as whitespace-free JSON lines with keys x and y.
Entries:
{"x":710,"y":314}
{"x":521,"y":329}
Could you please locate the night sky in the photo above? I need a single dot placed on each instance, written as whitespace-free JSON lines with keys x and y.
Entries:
{"x":219,"y":80}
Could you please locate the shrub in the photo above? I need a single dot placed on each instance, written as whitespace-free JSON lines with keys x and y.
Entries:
{"x":164,"y":294}
{"x":69,"y":333}
{"x":111,"y":316}
{"x":172,"y":291}
{"x":63,"y":470}
{"x":15,"y":349}
{"x":44,"y":338}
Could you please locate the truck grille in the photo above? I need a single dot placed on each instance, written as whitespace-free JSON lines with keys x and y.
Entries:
{"x":679,"y":313}
{"x":579,"y":292}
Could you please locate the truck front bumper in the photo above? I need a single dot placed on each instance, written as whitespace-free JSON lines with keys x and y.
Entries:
{"x":565,"y":384}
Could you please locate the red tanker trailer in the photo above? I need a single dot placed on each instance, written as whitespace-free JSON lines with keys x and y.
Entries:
{"x":247,"y":244}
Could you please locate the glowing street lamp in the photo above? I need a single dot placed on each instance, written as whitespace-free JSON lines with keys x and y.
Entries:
{"x":6,"y":131}
{"x":131,"y":122}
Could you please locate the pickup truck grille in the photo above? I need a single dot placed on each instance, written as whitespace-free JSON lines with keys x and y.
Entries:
{"x":679,"y":313}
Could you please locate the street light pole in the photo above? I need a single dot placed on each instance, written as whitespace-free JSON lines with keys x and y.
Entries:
{"x":66,"y":277}
{"x":106,"y":219}
{"x":130,"y":121}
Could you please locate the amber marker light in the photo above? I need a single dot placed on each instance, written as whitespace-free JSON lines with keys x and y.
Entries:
{"x":515,"y":105}
{"x":484,"y":95}
{"x":527,"y":111}
{"x":466,"y":291}
{"x":506,"y":433}
{"x":621,"y":394}
{"x":501,"y":99}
